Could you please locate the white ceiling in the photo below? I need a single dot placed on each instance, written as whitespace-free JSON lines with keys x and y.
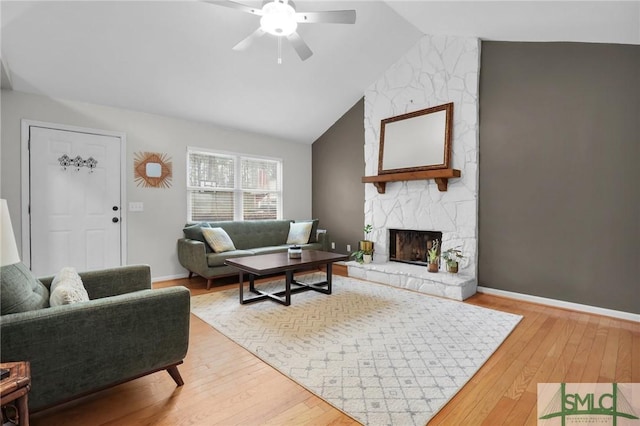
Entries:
{"x":174,"y":57}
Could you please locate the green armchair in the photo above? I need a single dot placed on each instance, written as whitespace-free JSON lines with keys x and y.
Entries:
{"x":126,"y":330}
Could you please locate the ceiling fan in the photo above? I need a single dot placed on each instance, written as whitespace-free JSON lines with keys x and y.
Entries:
{"x":279,"y":18}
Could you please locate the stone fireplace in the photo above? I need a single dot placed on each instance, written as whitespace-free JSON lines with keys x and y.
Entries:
{"x":410,"y":246}
{"x":437,"y":70}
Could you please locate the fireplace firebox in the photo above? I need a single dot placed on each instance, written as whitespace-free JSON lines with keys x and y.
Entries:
{"x":411,"y":246}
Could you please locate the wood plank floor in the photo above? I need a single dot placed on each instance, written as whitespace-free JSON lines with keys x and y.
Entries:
{"x":226,"y":385}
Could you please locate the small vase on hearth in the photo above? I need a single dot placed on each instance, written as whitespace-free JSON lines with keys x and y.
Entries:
{"x":433,"y":267}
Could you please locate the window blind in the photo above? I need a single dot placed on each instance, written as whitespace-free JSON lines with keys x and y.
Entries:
{"x":233,"y":187}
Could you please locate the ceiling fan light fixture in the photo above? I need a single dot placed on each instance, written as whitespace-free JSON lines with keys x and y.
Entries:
{"x":278,"y":19}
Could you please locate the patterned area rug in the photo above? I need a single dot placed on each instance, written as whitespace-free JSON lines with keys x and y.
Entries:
{"x":382,"y":355}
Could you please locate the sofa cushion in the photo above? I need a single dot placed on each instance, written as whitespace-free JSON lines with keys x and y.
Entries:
{"x":217,"y":259}
{"x":284,"y":248}
{"x":194,"y":232}
{"x":271,"y":249}
{"x":67,"y":288}
{"x":218,"y":239}
{"x":313,"y":237}
{"x":299,"y":233}
{"x":312,"y":246}
{"x":249,"y":234}
{"x":21,"y":290}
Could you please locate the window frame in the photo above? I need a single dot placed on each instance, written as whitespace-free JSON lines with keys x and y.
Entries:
{"x":237,"y":190}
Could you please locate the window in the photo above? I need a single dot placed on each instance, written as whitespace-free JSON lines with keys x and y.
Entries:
{"x":223,"y":186}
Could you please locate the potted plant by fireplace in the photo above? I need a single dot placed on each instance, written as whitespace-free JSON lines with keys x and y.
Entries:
{"x":366,"y":245}
{"x":452,"y":257}
{"x":362,"y":256}
{"x":433,"y":255}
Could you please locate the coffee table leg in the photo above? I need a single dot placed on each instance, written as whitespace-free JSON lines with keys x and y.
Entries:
{"x":252,"y":286}
{"x":241,"y":281}
{"x":287,"y":288}
{"x":329,"y":278}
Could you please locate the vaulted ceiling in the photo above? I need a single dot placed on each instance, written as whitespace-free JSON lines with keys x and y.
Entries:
{"x":174,"y":57}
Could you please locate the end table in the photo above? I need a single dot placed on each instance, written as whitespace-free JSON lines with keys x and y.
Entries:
{"x":14,"y":391}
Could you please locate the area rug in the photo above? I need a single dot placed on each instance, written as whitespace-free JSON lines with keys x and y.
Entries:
{"x":382,"y":355}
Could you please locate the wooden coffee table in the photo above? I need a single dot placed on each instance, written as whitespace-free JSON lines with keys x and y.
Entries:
{"x":266,"y":264}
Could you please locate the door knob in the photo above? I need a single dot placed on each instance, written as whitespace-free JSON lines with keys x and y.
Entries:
{"x":115,"y":220}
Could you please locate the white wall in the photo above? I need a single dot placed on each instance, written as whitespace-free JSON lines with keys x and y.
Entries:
{"x":151,"y":234}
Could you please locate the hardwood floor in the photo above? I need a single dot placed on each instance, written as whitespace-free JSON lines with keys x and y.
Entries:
{"x":226,"y":385}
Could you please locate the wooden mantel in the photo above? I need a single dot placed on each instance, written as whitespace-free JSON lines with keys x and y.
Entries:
{"x":441,"y":177}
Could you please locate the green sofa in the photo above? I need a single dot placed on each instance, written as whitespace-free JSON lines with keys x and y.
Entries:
{"x":126,"y":330}
{"x":250,"y":237}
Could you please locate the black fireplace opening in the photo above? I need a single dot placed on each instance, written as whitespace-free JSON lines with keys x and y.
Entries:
{"x":411,"y":246}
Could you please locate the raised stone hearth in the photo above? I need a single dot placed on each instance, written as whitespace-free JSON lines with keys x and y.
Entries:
{"x":458,"y":286}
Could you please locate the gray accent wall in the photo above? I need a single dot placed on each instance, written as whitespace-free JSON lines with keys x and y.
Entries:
{"x":338,"y":167}
{"x":559,"y":203}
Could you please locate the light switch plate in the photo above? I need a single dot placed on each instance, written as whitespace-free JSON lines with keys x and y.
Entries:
{"x":136,"y":206}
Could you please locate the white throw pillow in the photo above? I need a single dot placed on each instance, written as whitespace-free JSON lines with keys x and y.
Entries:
{"x":67,"y":288}
{"x":218,"y":239}
{"x":299,"y":232}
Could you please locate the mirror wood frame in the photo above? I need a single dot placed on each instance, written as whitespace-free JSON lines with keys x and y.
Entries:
{"x":421,"y":115}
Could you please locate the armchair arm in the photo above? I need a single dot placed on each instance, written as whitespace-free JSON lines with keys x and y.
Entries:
{"x":113,"y":281}
{"x":74,"y":349}
{"x":193,"y":256}
{"x":323,"y":238}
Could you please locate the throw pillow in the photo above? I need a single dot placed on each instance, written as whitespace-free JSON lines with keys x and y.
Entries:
{"x":218,"y":239}
{"x":21,"y":290}
{"x":194,"y":232}
{"x":299,"y":232}
{"x":67,"y":288}
{"x":313,"y":237}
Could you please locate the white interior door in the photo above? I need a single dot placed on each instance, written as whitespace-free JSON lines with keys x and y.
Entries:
{"x":75,"y":211}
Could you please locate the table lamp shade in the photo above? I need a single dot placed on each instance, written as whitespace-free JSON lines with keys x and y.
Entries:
{"x":8,"y":248}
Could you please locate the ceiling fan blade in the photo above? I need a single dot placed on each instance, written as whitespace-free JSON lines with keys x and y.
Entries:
{"x":238,"y":6}
{"x":300,"y":46}
{"x":327,"y":17}
{"x":244,"y":44}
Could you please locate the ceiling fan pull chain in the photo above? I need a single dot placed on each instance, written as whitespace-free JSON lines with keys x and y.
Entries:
{"x":279,"y":50}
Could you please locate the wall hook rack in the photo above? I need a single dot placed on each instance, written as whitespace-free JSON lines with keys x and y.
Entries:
{"x":77,"y":162}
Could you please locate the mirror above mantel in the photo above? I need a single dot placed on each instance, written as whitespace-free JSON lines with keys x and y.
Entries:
{"x":416,"y":145}
{"x":416,"y":141}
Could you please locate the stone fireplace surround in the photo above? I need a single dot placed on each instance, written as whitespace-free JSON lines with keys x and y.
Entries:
{"x":437,"y":70}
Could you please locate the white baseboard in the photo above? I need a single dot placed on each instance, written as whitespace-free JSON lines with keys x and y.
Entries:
{"x":169,"y":277}
{"x":561,"y":304}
